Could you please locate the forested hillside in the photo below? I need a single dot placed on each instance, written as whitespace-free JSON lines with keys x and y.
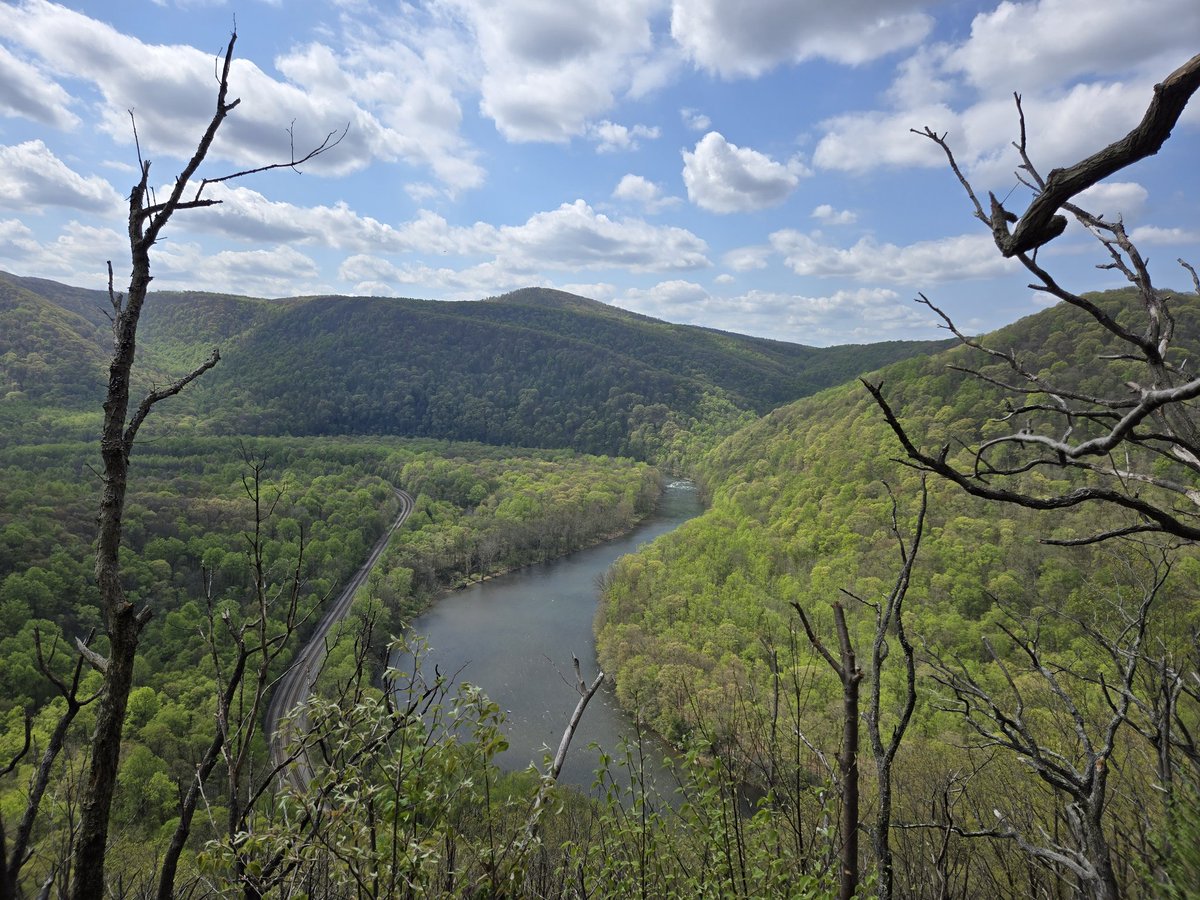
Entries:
{"x":536,"y":368}
{"x":194,"y":543}
{"x":703,"y":635}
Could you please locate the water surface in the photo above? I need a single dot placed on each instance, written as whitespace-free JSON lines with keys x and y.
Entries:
{"x":515,"y":634}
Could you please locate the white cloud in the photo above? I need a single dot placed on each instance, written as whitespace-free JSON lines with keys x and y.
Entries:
{"x":695,"y":120}
{"x":611,"y":137}
{"x":576,"y":236}
{"x":1024,"y":46}
{"x":747,"y":259}
{"x":1153,"y":234}
{"x":381,"y":276}
{"x":653,"y":73}
{"x":1112,"y":199}
{"x":748,"y":37}
{"x":1085,"y":71}
{"x":1062,"y":129}
{"x":170,"y":89}
{"x":77,"y":255}
{"x":648,"y":195}
{"x":271,"y":272}
{"x":599,"y":290}
{"x":17,"y":242}
{"x":246,"y":214}
{"x":827,"y":214}
{"x":550,"y":67}
{"x":926,"y":262}
{"x":33,"y":178}
{"x":860,"y":142}
{"x":572,"y":238}
{"x":724,"y":178}
{"x":31,"y":93}
{"x":921,"y":80}
{"x":408,"y":74}
{"x":868,"y":314}
{"x":666,"y":294}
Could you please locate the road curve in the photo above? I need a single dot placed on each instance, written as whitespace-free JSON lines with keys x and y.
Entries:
{"x":297,"y":682}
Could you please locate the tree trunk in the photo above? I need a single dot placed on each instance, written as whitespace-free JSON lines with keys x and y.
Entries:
{"x":122,"y":623}
{"x":848,"y":764}
{"x":851,"y":677}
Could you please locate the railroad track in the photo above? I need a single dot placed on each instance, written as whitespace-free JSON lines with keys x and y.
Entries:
{"x":297,"y":682}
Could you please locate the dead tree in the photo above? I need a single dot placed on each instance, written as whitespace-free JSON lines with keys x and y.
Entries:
{"x":846,"y":667}
{"x":889,"y":619}
{"x":1132,"y":449}
{"x":1138,"y":447}
{"x":1006,"y":713}
{"x":123,"y":622}
{"x":13,"y":859}
{"x":276,"y":614}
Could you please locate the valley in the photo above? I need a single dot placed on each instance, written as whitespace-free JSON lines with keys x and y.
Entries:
{"x":258,"y":495}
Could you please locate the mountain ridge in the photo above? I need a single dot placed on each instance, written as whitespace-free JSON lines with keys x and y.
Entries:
{"x":535,"y":367}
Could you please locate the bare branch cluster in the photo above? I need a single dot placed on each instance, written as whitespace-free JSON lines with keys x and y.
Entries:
{"x":1135,"y":446}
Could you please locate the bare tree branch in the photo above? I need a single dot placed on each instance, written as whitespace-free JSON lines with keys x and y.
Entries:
{"x":1037,"y":225}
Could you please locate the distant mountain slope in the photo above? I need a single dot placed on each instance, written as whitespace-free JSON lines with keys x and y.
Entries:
{"x":48,"y":353}
{"x":533,"y":368}
{"x":574,"y":374}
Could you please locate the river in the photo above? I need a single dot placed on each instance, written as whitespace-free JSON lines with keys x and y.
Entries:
{"x":514,"y":636}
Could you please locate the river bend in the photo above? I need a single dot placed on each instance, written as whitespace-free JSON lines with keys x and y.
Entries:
{"x":514,"y":634}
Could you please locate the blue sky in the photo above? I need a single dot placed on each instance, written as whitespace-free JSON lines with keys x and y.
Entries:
{"x":740,"y":164}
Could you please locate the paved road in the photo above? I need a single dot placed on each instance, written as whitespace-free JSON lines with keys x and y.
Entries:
{"x":296,"y":685}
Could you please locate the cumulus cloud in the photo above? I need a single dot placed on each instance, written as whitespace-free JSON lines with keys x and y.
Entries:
{"x":956,"y":258}
{"x":867,"y":314}
{"x":1023,"y":46}
{"x":695,"y":120}
{"x":749,"y":37}
{"x":572,"y":238}
{"x":1153,"y":234}
{"x":246,"y":214}
{"x":611,"y":137}
{"x":33,"y":178}
{"x":408,"y":71}
{"x":860,"y":142}
{"x":576,"y":236}
{"x":76,"y":255}
{"x":551,"y":67}
{"x":170,"y":89}
{"x":29,"y":92}
{"x":672,"y":293}
{"x":1085,"y":71}
{"x":382,"y":276}
{"x":724,"y":178}
{"x":921,"y":80}
{"x":830,"y":216}
{"x":1111,"y":199}
{"x":747,"y":259}
{"x":645,"y":193}
{"x":267,"y":272}
{"x":17,"y":242}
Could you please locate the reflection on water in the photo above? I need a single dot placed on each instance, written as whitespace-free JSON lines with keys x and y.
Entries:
{"x":514,"y":636}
